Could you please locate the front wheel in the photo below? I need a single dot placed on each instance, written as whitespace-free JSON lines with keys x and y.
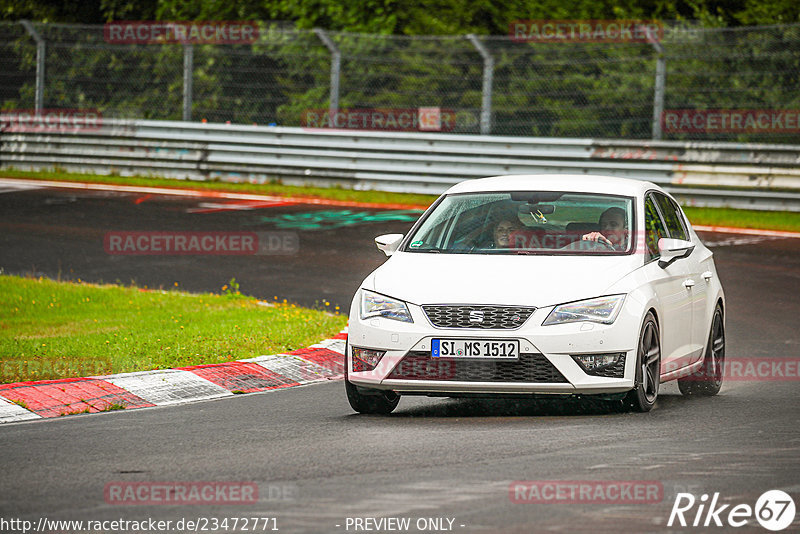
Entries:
{"x":643,"y":396}
{"x":707,"y":380}
{"x":368,"y":400}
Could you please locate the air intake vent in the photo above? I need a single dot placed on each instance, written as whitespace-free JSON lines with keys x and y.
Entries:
{"x":419,"y":365}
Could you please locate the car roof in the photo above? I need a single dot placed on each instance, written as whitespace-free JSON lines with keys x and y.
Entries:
{"x":585,"y":183}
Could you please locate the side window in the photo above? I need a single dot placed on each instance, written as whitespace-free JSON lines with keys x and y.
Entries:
{"x":672,"y":217}
{"x":681,"y":219}
{"x":654,"y":228}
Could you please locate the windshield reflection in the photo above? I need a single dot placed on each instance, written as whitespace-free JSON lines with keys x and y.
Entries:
{"x":527,"y":222}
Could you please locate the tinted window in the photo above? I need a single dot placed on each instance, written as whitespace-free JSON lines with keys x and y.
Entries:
{"x":654,"y":228}
{"x":672,"y":217}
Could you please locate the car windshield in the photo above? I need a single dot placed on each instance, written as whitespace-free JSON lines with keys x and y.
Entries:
{"x":526,"y":222}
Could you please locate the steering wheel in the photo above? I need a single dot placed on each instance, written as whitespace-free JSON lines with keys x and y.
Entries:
{"x":588,"y":244}
{"x":604,"y":243}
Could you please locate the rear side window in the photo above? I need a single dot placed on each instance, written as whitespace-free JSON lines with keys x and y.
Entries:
{"x":654,"y":228}
{"x":672,"y":217}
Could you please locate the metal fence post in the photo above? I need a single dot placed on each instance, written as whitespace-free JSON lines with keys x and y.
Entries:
{"x":336,"y":66}
{"x":188,"y":68}
{"x":40,"y":55}
{"x":488,"y":75}
{"x":660,"y":83}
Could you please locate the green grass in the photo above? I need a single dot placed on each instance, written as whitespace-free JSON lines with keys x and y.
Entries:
{"x":51,"y":330}
{"x":763,"y":220}
{"x":74,"y":412}
{"x":776,"y":220}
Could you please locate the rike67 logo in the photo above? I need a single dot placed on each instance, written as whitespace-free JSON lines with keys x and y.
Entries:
{"x":774,"y":510}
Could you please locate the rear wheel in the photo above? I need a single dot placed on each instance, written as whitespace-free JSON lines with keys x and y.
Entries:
{"x":707,"y":380}
{"x":643,"y":396}
{"x":368,"y":400}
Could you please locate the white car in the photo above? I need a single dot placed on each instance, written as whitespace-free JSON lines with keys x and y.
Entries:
{"x":539,"y":285}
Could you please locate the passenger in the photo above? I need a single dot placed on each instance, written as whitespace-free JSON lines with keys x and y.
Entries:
{"x":613,"y":230}
{"x":501,"y":236}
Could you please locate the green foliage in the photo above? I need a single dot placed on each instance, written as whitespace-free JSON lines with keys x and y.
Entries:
{"x":128,"y":10}
{"x":52,"y":10}
{"x":757,"y":12}
{"x":421,"y":17}
{"x":232,"y":288}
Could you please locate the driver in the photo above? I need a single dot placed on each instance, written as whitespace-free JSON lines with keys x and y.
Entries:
{"x":613,"y":230}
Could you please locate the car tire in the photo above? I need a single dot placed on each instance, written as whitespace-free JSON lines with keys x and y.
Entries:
{"x":368,"y":400}
{"x":643,"y":396}
{"x":707,"y":381}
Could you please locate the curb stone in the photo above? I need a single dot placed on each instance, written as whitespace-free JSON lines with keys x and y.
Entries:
{"x":22,"y":401}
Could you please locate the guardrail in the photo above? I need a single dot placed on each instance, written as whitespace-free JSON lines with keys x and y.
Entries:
{"x":407,"y":162}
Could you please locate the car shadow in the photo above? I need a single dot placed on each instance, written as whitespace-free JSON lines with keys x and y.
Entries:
{"x":531,"y":407}
{"x":505,"y":407}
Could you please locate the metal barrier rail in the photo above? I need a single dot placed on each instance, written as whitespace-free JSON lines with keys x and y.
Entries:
{"x":399,"y":161}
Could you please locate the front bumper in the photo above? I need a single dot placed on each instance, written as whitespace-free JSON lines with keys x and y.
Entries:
{"x":546,"y":365}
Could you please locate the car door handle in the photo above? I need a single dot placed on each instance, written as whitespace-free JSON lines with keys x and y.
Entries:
{"x":708,"y":275}
{"x":688,"y":283}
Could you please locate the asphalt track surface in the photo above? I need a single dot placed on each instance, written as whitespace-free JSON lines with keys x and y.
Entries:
{"x":432,"y":458}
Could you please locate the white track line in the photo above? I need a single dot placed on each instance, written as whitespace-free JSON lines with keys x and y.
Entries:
{"x":141,"y":189}
{"x":13,"y":188}
{"x":192,"y":193}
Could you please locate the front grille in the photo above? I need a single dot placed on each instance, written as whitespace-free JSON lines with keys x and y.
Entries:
{"x":493,"y":317}
{"x":531,"y":367}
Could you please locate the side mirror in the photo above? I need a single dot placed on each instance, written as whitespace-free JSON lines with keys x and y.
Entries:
{"x":388,"y":243}
{"x":673,"y":249}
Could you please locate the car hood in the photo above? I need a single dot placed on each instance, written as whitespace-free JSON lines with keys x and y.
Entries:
{"x":539,"y":281}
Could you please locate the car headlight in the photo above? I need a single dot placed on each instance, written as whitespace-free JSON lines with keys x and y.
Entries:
{"x":375,"y":305}
{"x":598,"y":310}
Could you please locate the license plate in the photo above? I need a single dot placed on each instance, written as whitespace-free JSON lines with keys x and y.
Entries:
{"x":475,"y":348}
